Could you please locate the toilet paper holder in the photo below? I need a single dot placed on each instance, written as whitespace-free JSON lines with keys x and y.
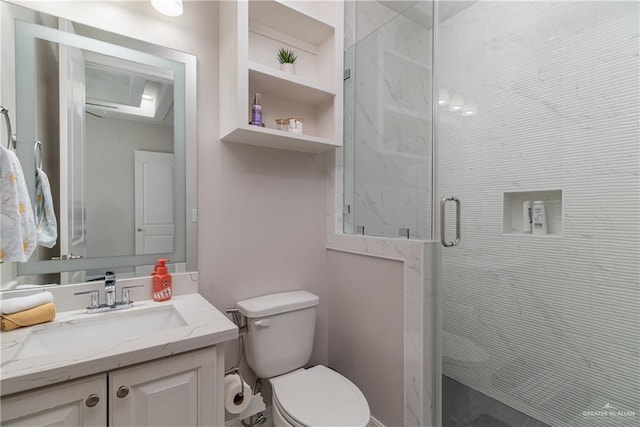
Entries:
{"x":256,"y":404}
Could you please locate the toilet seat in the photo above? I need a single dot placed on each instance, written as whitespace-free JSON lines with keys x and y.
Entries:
{"x":319,"y":396}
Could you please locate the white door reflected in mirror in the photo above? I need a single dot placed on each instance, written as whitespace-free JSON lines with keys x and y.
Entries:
{"x":155,"y":223}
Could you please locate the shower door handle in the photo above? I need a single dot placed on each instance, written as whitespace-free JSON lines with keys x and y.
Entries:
{"x":443,"y":238}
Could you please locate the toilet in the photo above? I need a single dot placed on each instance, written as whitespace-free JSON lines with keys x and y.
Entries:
{"x":278,"y":344}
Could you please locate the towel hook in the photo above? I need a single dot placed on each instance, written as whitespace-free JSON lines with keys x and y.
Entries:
{"x":11,"y":139}
{"x":37,"y":150}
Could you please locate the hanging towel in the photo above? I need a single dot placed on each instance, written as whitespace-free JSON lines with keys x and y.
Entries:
{"x":14,"y":305}
{"x":33,"y":316}
{"x":46,"y":224}
{"x":17,"y":225}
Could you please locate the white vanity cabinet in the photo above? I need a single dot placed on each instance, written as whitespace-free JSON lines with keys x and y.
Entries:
{"x":181,"y":390}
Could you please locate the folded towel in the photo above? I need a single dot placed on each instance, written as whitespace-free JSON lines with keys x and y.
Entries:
{"x":14,"y":305}
{"x":46,"y":223}
{"x":33,"y":316}
{"x":17,"y":226}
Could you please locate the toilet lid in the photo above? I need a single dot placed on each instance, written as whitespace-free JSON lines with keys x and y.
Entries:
{"x":319,"y":396}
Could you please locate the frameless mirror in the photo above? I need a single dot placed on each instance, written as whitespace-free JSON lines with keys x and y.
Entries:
{"x":111,"y":121}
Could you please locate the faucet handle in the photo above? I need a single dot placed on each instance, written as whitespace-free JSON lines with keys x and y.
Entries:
{"x":95,"y":298}
{"x":125,"y":294}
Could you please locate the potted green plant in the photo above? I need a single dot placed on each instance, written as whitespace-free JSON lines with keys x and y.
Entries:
{"x":287,"y":59}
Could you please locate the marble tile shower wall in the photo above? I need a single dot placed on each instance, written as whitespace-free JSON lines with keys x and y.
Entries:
{"x":547,"y":325}
{"x":388,"y":123}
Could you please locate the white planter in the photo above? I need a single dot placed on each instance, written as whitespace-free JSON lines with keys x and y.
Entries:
{"x":288,"y":68}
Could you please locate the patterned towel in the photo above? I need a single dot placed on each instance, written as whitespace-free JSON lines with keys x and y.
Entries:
{"x":17,"y":226}
{"x":46,"y":223}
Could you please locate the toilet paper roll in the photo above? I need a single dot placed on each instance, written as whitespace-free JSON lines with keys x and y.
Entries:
{"x":233,"y":401}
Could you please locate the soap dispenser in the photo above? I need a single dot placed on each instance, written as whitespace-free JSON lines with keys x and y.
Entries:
{"x":161,"y":282}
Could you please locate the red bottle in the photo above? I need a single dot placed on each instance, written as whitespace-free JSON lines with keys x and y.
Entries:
{"x":161,"y":282}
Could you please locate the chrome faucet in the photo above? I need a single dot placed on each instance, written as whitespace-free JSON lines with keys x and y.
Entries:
{"x":110,"y":296}
{"x":110,"y":289}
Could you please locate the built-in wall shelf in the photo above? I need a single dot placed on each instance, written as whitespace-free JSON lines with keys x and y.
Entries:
{"x":512,"y":212}
{"x":292,"y":19}
{"x":273,"y":138}
{"x":289,"y":86}
{"x":251,"y":33}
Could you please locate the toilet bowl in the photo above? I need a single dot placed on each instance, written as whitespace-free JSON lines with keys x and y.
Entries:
{"x":279,"y":341}
{"x":318,"y":396}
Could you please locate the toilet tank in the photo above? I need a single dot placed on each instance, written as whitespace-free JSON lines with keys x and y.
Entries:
{"x":280,"y":331}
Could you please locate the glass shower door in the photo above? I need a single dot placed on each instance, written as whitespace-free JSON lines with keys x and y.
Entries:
{"x":388,"y":176}
{"x":537,"y":135}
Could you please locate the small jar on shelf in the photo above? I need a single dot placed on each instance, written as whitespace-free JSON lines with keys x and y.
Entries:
{"x":296,"y":125}
{"x":282,"y":125}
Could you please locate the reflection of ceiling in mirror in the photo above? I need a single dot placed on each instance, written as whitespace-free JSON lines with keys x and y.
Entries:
{"x":117,"y":88}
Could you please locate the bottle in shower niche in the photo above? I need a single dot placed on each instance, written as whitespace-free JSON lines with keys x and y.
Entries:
{"x":256,"y":110}
{"x":539,"y":218}
{"x":526,"y":217}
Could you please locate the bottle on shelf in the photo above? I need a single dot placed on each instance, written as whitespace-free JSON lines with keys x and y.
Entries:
{"x":539,"y":218}
{"x":256,"y":110}
{"x":526,"y":217}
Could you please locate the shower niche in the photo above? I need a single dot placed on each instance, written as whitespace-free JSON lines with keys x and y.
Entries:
{"x":513,"y":216}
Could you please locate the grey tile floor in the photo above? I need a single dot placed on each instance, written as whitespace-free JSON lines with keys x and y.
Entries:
{"x":463,"y":406}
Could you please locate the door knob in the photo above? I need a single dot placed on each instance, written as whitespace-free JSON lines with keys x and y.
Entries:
{"x":92,"y":400}
{"x":123,"y":391}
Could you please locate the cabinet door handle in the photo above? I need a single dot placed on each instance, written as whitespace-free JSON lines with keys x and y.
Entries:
{"x":123,"y":391}
{"x":92,"y":400}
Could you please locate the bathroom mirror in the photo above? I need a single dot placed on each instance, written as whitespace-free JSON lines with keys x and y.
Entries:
{"x":115,"y":118}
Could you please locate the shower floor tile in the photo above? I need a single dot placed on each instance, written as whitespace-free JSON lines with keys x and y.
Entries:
{"x":466,"y":407}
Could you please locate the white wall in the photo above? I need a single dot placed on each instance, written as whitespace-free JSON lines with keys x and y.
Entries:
{"x":110,"y":166}
{"x":261,"y":212}
{"x":555,"y":319}
{"x":366,"y":329}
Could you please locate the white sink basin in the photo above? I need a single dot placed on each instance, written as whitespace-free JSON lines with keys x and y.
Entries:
{"x":99,"y":329}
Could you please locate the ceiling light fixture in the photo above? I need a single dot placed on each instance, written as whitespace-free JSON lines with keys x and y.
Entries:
{"x":168,"y":7}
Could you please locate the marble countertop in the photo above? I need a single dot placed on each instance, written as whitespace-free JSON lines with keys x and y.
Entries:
{"x":205,"y":326}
